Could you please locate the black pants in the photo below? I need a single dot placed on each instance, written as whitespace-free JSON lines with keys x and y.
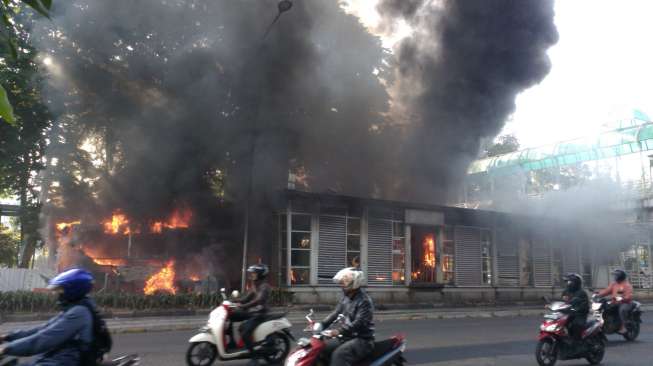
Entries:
{"x":348,"y":352}
{"x":249,"y":323}
{"x":577,"y":325}
{"x":624,"y":309}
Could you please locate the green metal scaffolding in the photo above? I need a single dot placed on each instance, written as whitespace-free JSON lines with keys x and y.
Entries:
{"x":636,"y":138}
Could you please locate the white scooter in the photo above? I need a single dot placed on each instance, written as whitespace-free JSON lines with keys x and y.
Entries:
{"x":271,"y":338}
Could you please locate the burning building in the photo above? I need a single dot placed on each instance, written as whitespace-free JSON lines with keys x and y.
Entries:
{"x":134,"y":255}
{"x":415,"y":252}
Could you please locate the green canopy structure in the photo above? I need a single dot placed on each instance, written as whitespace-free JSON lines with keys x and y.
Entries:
{"x":636,"y":138}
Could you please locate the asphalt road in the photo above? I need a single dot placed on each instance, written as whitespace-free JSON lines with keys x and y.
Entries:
{"x":458,"y":342}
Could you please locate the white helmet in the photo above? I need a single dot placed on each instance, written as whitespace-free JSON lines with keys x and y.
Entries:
{"x":349,"y":277}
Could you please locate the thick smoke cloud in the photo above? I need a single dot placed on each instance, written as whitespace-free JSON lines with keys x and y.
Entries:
{"x":178,"y":91}
{"x":182,"y":87}
{"x":181,"y":93}
{"x":458,"y":77}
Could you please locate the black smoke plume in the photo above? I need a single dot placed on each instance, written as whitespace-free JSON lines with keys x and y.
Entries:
{"x":458,"y":76}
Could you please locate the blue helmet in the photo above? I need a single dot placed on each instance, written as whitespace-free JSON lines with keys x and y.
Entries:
{"x":76,"y":284}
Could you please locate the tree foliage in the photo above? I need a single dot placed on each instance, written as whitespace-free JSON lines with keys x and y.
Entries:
{"x":23,"y":141}
{"x":9,"y":244}
{"x":9,"y":9}
{"x":505,"y":144}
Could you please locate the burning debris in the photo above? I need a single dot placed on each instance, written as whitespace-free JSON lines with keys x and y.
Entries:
{"x":100,"y":246}
{"x":162,"y":281}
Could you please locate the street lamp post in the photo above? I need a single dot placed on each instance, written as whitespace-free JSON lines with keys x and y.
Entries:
{"x":283,"y":6}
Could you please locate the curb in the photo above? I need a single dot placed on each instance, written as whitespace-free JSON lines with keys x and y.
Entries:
{"x":193,"y":324}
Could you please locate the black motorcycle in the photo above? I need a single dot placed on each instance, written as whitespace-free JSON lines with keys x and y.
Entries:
{"x":607,"y":311}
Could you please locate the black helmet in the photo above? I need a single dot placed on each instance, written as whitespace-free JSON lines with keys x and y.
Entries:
{"x":619,"y":275}
{"x":574,"y":281}
{"x":261,"y":271}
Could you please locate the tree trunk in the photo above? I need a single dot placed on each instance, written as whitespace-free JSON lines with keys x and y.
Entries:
{"x":26,"y":239}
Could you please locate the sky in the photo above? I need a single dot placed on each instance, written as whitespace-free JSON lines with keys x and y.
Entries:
{"x":602,"y":69}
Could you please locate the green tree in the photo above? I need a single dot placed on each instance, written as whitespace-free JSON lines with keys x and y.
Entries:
{"x":9,"y":244}
{"x":22,"y":142}
{"x":504,"y":144}
{"x":10,"y":31}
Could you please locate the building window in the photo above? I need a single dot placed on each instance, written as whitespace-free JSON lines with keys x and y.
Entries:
{"x":486,"y":257}
{"x":398,"y":253}
{"x":300,"y":249}
{"x":448,"y":252}
{"x":353,"y":240}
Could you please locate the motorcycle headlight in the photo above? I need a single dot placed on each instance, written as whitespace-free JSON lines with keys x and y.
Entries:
{"x":549,"y":327}
{"x":296,"y":357}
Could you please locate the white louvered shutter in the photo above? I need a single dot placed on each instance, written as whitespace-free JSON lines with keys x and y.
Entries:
{"x":507,"y":260}
{"x":332,"y":248}
{"x":468,"y":256}
{"x":379,"y":253}
{"x":542,"y":263}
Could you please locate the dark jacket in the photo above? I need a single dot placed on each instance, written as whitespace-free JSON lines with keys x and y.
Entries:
{"x":258,"y":300}
{"x":58,"y":342}
{"x":358,"y":311}
{"x":578,"y":300}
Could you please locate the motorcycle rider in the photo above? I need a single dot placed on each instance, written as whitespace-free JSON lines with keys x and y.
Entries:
{"x":579,"y":301}
{"x":253,"y":308}
{"x":63,"y":339}
{"x":621,"y":287}
{"x":357,"y":330}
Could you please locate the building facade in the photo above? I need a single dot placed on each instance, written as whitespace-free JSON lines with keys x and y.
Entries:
{"x":425,"y":251}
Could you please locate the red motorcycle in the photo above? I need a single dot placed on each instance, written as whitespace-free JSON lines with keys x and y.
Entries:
{"x":309,"y":351}
{"x":555,"y":343}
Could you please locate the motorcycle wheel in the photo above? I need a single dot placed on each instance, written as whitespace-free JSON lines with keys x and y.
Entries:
{"x":201,"y":354}
{"x":632,"y":331}
{"x":546,"y":353}
{"x":597,"y":351}
{"x":281,"y":345}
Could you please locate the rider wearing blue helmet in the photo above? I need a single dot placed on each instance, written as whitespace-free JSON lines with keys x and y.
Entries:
{"x":63,"y":338}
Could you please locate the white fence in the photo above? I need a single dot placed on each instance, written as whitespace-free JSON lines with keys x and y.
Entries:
{"x":20,"y":279}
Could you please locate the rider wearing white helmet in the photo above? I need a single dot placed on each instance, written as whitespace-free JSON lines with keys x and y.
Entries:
{"x":357,"y":329}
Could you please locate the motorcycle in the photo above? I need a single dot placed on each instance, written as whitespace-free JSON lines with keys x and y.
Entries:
{"x":309,"y":351}
{"x":607,"y":312}
{"x":555,"y":343}
{"x":214,"y":341}
{"x":127,"y":360}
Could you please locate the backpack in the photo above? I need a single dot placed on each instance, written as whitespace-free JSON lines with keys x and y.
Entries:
{"x":102,"y":342}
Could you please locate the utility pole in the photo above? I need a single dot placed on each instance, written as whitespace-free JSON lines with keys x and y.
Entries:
{"x":282,"y":7}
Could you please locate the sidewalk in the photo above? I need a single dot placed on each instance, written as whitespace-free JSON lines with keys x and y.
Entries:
{"x":296,"y":316}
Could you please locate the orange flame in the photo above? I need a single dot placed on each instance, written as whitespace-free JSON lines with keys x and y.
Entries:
{"x":117,"y":225}
{"x":64,"y":225}
{"x":162,"y":281}
{"x":157,"y":227}
{"x":429,"y":251}
{"x":180,"y":219}
{"x":110,"y":262}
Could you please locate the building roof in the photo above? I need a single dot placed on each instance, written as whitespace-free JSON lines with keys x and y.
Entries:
{"x":452,"y":213}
